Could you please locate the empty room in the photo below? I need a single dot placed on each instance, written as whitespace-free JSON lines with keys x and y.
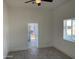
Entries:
{"x":39,"y":29}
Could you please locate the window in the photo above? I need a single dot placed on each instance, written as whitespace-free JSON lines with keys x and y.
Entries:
{"x":69,"y":30}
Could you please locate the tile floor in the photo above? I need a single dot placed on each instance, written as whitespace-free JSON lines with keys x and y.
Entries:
{"x":38,"y":53}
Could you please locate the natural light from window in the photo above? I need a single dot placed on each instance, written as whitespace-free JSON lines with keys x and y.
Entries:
{"x":69,"y":30}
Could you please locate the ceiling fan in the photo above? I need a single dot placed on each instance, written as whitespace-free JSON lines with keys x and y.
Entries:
{"x":38,"y":2}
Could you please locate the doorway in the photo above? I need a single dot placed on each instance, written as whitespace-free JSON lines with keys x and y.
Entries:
{"x":33,"y":35}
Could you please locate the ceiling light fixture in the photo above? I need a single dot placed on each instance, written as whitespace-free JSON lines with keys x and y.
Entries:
{"x":38,"y":2}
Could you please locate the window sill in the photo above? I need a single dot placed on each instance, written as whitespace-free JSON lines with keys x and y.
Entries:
{"x":72,"y":41}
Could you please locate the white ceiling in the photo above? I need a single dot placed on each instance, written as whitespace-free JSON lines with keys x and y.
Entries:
{"x":20,"y":3}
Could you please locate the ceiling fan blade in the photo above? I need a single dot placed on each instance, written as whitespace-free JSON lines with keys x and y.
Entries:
{"x":28,"y":1}
{"x":48,"y":0}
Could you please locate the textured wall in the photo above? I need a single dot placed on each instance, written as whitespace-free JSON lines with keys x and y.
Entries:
{"x":5,"y":30}
{"x":65,"y":11}
{"x":19,"y":19}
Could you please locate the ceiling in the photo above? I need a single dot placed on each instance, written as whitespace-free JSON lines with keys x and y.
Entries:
{"x":20,"y":3}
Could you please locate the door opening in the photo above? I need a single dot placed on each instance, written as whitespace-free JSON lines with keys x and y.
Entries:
{"x":33,"y":35}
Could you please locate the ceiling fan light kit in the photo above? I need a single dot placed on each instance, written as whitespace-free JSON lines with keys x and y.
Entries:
{"x":38,"y":2}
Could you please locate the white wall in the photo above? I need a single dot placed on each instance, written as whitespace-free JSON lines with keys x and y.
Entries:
{"x":5,"y":30}
{"x":18,"y":20}
{"x":65,"y":11}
